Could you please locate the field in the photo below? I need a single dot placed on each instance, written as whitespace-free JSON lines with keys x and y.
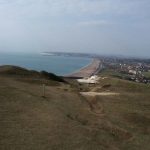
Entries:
{"x":113,"y":73}
{"x":147,"y":74}
{"x":66,"y":120}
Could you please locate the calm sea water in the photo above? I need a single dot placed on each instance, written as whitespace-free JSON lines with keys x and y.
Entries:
{"x":59,"y":65}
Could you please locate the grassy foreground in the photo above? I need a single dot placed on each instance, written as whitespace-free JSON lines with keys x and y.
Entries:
{"x":65,"y":120}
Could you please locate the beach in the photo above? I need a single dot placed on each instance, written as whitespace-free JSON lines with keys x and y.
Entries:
{"x":87,"y":71}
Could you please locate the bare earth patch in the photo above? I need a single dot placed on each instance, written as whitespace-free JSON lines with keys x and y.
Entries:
{"x":99,"y":93}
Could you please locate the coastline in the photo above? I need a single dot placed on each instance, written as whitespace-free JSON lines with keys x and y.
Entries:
{"x":87,"y":71}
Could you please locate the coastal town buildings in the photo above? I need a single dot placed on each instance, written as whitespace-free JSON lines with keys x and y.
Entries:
{"x":130,"y":69}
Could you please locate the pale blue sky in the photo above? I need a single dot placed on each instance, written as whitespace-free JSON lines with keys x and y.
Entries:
{"x":119,"y":27}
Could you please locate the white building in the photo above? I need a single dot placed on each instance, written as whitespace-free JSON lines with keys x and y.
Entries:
{"x":91,"y":80}
{"x":133,"y":72}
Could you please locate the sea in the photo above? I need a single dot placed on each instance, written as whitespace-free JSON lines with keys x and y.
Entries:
{"x":59,"y":65}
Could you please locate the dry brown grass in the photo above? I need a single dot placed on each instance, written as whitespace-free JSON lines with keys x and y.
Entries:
{"x":65,"y":120}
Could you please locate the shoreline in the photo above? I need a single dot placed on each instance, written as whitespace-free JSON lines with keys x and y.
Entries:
{"x":87,"y":71}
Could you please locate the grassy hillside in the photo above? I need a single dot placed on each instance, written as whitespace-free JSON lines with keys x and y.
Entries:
{"x":65,"y":120}
{"x":147,"y":74}
{"x":113,"y":73}
{"x":30,"y":76}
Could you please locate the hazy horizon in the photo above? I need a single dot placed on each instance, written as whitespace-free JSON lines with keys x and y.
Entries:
{"x":106,"y":27}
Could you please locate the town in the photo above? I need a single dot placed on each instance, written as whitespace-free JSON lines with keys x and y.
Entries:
{"x":128,"y":68}
{"x":137,"y":70}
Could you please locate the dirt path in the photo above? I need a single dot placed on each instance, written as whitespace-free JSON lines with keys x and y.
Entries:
{"x":98,"y":93}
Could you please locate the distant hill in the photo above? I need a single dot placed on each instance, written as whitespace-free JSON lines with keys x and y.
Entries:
{"x":15,"y":71}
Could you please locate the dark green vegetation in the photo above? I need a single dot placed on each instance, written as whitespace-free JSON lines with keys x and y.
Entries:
{"x":30,"y":75}
{"x":65,"y":120}
{"x":113,"y":73}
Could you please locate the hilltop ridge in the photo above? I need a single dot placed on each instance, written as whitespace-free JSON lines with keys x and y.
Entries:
{"x":15,"y":71}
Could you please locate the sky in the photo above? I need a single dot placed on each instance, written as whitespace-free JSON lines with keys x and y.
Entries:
{"x":111,"y":27}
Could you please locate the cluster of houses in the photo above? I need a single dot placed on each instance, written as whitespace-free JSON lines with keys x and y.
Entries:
{"x":129,"y":69}
{"x":133,"y":70}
